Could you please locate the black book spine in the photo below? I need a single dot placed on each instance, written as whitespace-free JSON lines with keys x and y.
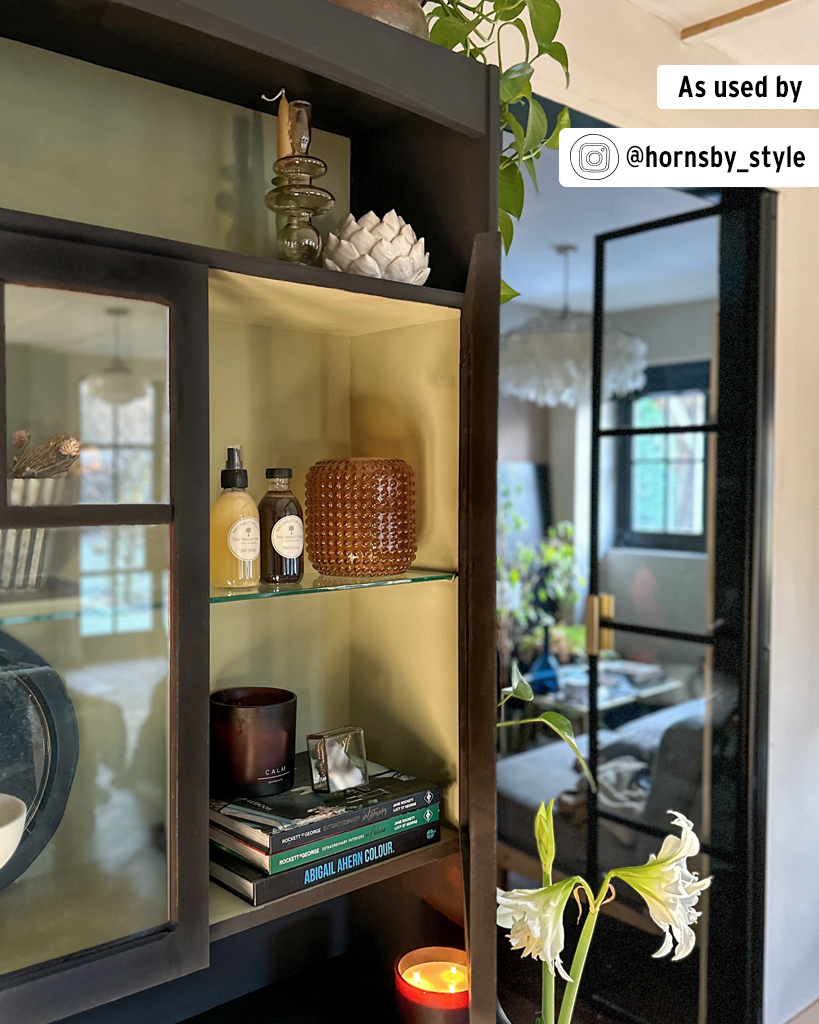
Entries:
{"x":310,"y":831}
{"x":259,"y":888}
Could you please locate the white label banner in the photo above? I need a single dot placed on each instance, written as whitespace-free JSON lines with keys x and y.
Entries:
{"x":738,"y":87}
{"x":689,"y":157}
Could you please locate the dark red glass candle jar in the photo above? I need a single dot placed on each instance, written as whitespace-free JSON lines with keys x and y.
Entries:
{"x":426,"y":991}
{"x":252,"y":741}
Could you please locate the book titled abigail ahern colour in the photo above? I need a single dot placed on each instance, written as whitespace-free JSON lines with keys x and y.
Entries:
{"x":326,"y":846}
{"x":258,"y":887}
{"x":302,"y":816}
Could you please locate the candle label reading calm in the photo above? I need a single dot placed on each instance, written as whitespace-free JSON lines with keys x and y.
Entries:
{"x":244,"y":539}
{"x":287,"y":537}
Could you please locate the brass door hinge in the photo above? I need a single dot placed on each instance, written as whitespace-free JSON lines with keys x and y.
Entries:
{"x":599,"y":606}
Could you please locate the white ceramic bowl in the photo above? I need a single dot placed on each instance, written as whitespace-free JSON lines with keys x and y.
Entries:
{"x":12,"y":823}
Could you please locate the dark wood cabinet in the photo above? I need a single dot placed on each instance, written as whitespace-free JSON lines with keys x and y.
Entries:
{"x":144,"y":316}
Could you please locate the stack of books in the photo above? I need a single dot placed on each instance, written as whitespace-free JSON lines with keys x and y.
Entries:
{"x":266,"y":848}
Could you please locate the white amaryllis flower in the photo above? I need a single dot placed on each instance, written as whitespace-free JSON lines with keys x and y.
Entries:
{"x":535,"y":920}
{"x":670,"y":890}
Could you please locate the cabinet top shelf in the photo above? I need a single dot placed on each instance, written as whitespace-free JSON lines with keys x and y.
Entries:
{"x":358,"y":73}
{"x":238,"y":264}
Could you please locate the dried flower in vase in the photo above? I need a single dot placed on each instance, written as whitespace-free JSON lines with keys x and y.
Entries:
{"x":54,"y":457}
{"x":20,"y":439}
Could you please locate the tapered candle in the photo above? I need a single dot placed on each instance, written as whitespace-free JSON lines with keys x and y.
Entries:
{"x":284,"y":147}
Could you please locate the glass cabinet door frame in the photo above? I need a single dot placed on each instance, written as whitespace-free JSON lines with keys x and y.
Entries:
{"x":57,"y":989}
{"x":739,"y":635}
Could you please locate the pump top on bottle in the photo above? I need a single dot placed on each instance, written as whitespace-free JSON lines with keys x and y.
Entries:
{"x":234,"y":529}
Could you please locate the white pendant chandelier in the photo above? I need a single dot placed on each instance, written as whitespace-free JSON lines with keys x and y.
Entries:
{"x":118,"y":383}
{"x":547,"y":360}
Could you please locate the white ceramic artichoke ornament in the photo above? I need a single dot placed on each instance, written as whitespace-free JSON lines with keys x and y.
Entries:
{"x":371,"y":247}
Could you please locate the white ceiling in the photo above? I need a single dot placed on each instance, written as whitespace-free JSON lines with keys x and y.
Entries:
{"x":65,"y":321}
{"x":659,"y":268}
{"x":683,"y":13}
{"x":786,"y":34}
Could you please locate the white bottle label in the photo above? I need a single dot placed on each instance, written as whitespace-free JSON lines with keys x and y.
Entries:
{"x":244,"y":539}
{"x":287,"y":537}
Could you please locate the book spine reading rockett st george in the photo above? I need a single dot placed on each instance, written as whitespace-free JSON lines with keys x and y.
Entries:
{"x":326,"y":847}
{"x":258,"y":887}
{"x":306,"y":831}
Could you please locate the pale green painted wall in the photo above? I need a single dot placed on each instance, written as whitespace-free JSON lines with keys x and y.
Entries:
{"x":93,"y":145}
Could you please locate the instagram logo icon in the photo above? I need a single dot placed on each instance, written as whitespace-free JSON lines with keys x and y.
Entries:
{"x":594,"y":156}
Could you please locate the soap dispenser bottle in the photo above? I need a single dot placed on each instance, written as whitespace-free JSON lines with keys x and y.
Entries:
{"x":234,"y":529}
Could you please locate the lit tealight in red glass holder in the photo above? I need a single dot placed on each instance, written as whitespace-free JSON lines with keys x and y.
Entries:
{"x":432,"y":986}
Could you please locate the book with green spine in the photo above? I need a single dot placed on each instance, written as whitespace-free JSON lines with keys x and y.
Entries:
{"x":324,"y":847}
{"x":257,"y":887}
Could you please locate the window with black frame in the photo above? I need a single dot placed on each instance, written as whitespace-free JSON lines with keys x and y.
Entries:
{"x":661,"y":477}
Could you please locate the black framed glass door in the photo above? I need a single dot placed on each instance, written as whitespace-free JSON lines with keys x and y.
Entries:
{"x":103,"y":609}
{"x":677,"y":584}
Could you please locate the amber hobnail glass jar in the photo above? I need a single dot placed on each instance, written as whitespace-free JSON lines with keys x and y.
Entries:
{"x":360,"y":517}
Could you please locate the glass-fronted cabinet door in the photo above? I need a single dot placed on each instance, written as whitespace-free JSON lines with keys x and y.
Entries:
{"x":103,"y":625}
{"x":676,"y":695}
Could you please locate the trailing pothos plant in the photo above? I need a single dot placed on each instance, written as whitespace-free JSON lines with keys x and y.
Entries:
{"x":476,"y":29}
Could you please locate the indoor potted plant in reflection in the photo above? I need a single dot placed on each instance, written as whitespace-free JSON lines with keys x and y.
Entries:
{"x":534,"y":917}
{"x":533,"y":581}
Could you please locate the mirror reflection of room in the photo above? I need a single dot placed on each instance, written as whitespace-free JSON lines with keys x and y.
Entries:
{"x":657,"y":699}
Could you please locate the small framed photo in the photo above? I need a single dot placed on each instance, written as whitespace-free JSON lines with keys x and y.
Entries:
{"x":338,"y":759}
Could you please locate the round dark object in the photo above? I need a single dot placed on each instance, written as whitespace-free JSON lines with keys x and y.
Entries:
{"x":39,"y":748}
{"x":252,"y":741}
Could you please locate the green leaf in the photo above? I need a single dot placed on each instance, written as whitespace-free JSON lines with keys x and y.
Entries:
{"x":545,"y":18}
{"x":545,"y":837}
{"x":507,"y":292}
{"x":512,"y":13}
{"x":515,"y":82}
{"x":536,"y":126}
{"x":520,"y":688}
{"x":516,"y":128}
{"x":563,"y":727}
{"x":507,"y":229}
{"x":558,"y":52}
{"x":449,"y":32}
{"x":529,"y":164}
{"x":511,"y":190}
{"x":524,"y":34}
{"x":563,"y":121}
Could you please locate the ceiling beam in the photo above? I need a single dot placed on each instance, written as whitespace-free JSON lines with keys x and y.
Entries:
{"x":732,"y":16}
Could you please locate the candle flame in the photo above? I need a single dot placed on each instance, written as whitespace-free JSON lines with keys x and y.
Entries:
{"x":438,"y":977}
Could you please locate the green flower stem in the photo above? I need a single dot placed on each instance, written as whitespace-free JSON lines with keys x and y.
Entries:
{"x":547,"y":984}
{"x":580,"y":954}
{"x":547,"y":996}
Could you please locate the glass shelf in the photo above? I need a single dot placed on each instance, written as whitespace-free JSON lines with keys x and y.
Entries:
{"x":313,"y":583}
{"x":21,"y":608}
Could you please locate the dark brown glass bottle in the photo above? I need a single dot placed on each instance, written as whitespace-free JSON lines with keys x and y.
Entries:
{"x":282,"y":527}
